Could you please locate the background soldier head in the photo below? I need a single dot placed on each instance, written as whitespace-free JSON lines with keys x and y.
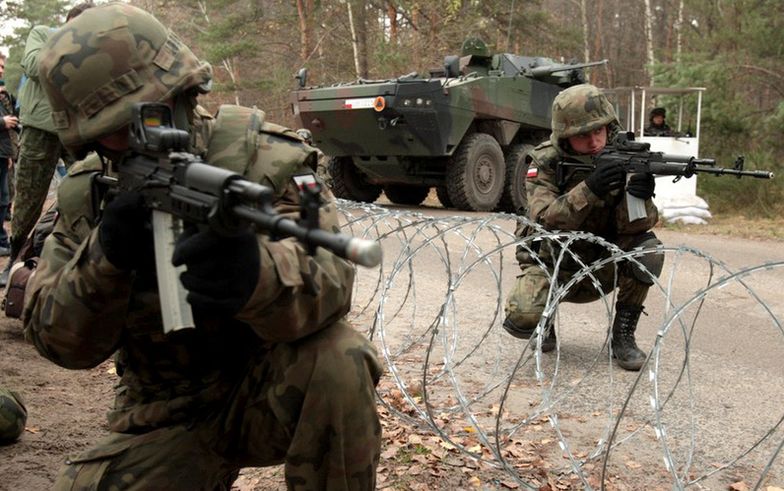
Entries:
{"x":658,"y":116}
{"x":658,"y":123}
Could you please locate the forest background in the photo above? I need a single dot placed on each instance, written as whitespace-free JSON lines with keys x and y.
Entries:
{"x":733,"y":48}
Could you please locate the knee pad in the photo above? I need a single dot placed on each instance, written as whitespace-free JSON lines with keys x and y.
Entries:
{"x":652,"y":262}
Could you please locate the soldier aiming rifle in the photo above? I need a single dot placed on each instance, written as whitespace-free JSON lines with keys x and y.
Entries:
{"x":272,"y":373}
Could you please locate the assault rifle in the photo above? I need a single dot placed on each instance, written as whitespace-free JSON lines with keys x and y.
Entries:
{"x":179,"y":186}
{"x":637,"y":157}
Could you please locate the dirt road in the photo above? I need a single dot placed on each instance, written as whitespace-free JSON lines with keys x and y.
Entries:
{"x":718,"y":388}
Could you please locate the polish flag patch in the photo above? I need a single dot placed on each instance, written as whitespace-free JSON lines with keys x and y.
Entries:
{"x":532,"y":172}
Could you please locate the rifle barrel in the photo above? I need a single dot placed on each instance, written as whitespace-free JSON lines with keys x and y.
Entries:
{"x":361,"y":251}
{"x":759,"y":174}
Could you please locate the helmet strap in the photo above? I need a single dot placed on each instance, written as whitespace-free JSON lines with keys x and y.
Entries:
{"x":184,"y":105}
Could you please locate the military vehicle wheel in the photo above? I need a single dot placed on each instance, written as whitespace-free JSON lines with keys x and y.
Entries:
{"x":475,"y":176}
{"x":443,"y":196}
{"x":402,"y":194}
{"x":348,"y":182}
{"x":514,"y":196}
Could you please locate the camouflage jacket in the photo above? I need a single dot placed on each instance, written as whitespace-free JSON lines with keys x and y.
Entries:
{"x":80,"y":309}
{"x":571,"y":206}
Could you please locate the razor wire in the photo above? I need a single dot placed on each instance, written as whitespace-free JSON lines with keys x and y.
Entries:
{"x":434,"y":309}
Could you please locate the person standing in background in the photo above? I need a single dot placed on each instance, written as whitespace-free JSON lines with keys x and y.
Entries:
{"x":40,"y":148}
{"x":8,"y":128}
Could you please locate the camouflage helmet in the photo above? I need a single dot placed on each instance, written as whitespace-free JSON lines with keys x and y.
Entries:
{"x":99,"y":64}
{"x":13,"y":416}
{"x":580,"y":109}
{"x":658,"y":111}
{"x":474,"y":47}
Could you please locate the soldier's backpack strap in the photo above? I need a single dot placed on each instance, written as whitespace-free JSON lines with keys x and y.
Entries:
{"x":243,"y":142}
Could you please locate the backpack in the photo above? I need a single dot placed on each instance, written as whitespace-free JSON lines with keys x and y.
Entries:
{"x":27,"y":261}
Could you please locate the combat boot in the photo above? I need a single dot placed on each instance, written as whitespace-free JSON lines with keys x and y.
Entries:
{"x":548,"y":343}
{"x":4,"y":274}
{"x":624,"y":346}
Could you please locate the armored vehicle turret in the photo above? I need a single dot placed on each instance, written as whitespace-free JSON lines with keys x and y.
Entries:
{"x":464,"y":129}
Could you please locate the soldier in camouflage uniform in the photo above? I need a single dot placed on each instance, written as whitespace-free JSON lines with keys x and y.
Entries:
{"x":13,"y":416}
{"x":272,"y":373}
{"x":594,"y":201}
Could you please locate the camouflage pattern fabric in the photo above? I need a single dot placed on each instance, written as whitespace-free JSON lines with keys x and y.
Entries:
{"x":13,"y":416}
{"x":571,"y":205}
{"x":308,"y":404}
{"x":528,"y":298}
{"x":39,"y":153}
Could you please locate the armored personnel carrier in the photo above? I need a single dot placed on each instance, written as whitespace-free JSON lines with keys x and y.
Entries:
{"x":464,"y":129}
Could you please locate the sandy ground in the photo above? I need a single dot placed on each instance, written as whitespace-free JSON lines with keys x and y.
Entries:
{"x":741,"y":388}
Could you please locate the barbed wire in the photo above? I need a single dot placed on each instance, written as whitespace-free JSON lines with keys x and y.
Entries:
{"x":435,"y":306}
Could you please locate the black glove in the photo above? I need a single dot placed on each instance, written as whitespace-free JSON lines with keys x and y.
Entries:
{"x":125,"y":233}
{"x":606,"y":177}
{"x":221,"y":272}
{"x":641,"y":186}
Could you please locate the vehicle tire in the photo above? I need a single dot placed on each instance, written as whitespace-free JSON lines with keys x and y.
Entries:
{"x":403,"y":194}
{"x":443,"y":196}
{"x":475,"y":176}
{"x":514,"y":197}
{"x":349,"y":183}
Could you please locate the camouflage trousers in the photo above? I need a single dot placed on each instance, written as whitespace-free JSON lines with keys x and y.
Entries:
{"x":309,"y":405}
{"x":39,"y":153}
{"x":528,"y":298}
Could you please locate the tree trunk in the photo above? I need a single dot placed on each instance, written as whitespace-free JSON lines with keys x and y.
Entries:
{"x":584,"y":16}
{"x":649,"y":41}
{"x":678,"y":32}
{"x":305,"y":14}
{"x":392,"y":14}
{"x":597,"y":39}
{"x":361,"y":27}
{"x":354,"y":40}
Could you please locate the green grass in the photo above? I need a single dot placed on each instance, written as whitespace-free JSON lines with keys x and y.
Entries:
{"x":747,"y":197}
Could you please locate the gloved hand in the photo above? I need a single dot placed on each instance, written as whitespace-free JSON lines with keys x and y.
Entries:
{"x":221,"y":272}
{"x":641,"y":186}
{"x":606,"y":177}
{"x":125,"y":233}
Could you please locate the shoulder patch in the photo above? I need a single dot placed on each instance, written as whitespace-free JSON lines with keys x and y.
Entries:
{"x":532,"y":173}
{"x":305,"y":181}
